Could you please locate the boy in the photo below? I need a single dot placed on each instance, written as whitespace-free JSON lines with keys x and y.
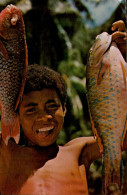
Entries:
{"x":41,"y":166}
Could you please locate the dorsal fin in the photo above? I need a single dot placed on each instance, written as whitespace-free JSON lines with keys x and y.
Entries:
{"x":23,"y":79}
{"x":124,"y":73}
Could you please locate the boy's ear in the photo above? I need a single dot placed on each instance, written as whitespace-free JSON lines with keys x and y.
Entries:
{"x":64,"y":110}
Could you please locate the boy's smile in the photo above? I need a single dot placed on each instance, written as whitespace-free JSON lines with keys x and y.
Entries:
{"x":41,"y":116}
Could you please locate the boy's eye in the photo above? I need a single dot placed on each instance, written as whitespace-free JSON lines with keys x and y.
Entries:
{"x":52,"y":106}
{"x":31,"y":110}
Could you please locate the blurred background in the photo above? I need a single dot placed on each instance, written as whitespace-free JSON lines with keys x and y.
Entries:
{"x":59,"y":34}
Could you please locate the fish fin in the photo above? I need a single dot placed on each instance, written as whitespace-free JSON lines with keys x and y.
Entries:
{"x":24,"y":78}
{"x":124,"y":72}
{"x":111,"y":179}
{"x":125,"y":82}
{"x":111,"y":169}
{"x":102,"y":71}
{"x":124,"y":132}
{"x":3,"y":50}
{"x":96,"y":135}
{"x":10,"y":129}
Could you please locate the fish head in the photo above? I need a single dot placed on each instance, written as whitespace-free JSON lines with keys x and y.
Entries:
{"x":10,"y":22}
{"x":101,"y":45}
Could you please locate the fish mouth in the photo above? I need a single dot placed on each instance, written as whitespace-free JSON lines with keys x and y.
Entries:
{"x":10,"y":6}
{"x":45,"y":131}
{"x":99,"y":48}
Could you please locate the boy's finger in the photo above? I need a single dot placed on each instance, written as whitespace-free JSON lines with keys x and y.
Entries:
{"x":120,"y":40}
{"x":118,"y":25}
{"x":125,"y":38}
{"x":118,"y":34}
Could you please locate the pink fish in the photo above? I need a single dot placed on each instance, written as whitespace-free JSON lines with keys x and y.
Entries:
{"x":107,"y":100}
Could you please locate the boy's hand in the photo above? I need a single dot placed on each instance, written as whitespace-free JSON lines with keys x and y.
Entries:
{"x":91,"y":152}
{"x":120,"y":36}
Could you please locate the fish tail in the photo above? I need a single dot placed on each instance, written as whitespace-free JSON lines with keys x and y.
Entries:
{"x":111,"y":175}
{"x":10,"y":128}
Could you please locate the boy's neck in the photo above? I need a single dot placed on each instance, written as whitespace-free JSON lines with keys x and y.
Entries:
{"x":51,"y":150}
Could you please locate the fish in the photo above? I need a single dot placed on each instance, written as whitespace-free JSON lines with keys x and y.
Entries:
{"x":13,"y":70}
{"x":106,"y":85}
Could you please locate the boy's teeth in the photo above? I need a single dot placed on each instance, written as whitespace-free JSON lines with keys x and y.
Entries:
{"x":45,"y":129}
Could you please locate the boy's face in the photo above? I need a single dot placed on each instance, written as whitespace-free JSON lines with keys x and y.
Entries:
{"x":41,"y":116}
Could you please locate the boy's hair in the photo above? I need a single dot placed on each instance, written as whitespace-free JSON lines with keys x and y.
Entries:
{"x":40,"y":77}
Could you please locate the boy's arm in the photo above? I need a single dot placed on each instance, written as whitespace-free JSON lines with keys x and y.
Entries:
{"x":91,"y":152}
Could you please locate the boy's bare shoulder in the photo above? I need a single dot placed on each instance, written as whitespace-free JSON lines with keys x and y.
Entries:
{"x":86,"y":150}
{"x":81,"y":141}
{"x":78,"y":144}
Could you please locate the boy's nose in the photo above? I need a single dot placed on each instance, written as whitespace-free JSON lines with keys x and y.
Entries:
{"x":44,"y":118}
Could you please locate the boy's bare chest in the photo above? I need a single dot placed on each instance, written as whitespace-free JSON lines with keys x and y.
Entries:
{"x":61,"y":175}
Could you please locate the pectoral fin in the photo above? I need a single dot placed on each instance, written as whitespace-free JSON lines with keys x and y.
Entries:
{"x":102,"y":71}
{"x":3,"y":50}
{"x":97,"y":136}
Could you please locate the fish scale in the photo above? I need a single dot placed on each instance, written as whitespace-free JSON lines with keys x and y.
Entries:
{"x":107,"y":102}
{"x":13,"y":67}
